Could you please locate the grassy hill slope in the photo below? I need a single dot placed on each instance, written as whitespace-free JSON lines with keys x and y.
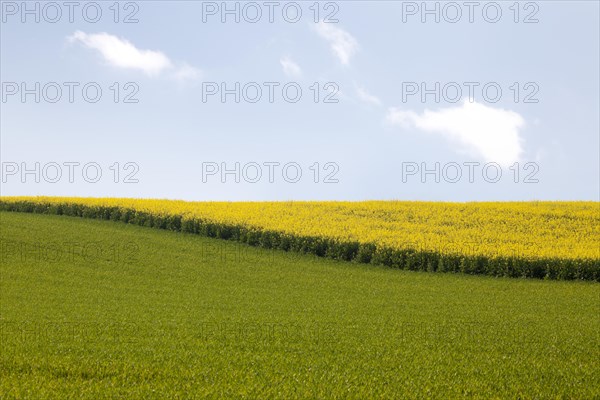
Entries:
{"x":99,"y":309}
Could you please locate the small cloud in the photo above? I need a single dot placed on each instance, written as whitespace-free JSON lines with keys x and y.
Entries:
{"x":367,"y":97}
{"x":290,"y":68}
{"x":187,"y":73}
{"x":121,"y":53}
{"x":343,"y":45}
{"x":491,"y":133}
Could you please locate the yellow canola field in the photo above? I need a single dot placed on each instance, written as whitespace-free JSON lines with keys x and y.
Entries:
{"x":529,"y":230}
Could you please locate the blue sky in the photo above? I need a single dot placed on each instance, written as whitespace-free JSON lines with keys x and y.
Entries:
{"x":372,"y":61}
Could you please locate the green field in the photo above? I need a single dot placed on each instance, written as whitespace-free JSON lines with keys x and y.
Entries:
{"x":99,"y":309}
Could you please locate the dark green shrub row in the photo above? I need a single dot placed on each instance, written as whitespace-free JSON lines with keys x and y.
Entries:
{"x":408,"y":259}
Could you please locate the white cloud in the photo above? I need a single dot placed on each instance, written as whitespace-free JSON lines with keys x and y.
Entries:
{"x":367,"y":97}
{"x":186,"y":72}
{"x":490,"y":133}
{"x":342,"y":43}
{"x":290,"y":68}
{"x":122,"y":53}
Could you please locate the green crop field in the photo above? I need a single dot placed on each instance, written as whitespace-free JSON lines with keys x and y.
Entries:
{"x":100,"y":309}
